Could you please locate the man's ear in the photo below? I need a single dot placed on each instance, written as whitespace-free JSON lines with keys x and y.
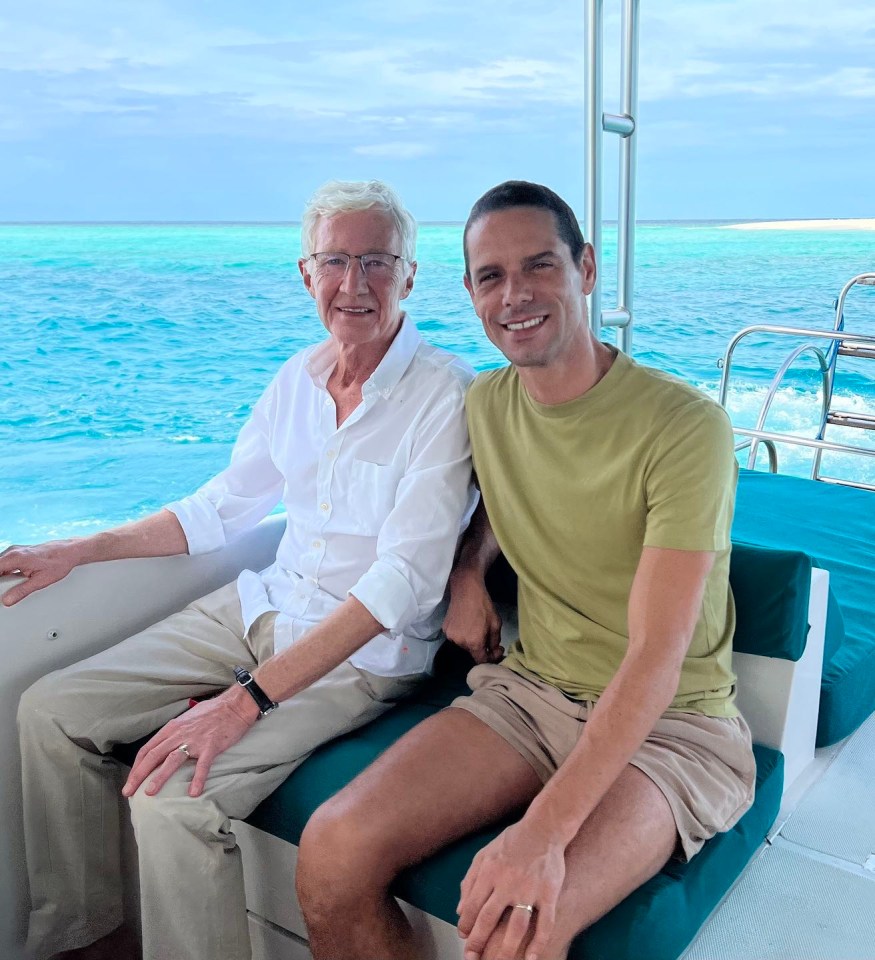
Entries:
{"x":588,"y":269}
{"x":308,"y":277}
{"x":466,"y":280}
{"x":408,"y":282}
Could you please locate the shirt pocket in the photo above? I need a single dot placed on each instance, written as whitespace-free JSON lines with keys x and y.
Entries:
{"x":371,"y":495}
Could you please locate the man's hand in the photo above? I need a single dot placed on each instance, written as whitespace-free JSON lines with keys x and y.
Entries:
{"x":207,"y":730}
{"x":159,"y":535}
{"x":42,"y":565}
{"x":520,"y":866}
{"x":472,"y":622}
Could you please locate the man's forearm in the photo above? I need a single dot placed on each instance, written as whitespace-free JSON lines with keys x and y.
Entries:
{"x":640,"y":692}
{"x":319,"y":651}
{"x":664,"y":606}
{"x":479,"y":546}
{"x":159,"y":535}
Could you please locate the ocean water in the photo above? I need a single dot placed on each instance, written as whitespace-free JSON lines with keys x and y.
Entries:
{"x":133,"y":353}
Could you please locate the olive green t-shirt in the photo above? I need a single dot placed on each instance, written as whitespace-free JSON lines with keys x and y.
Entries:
{"x":574,"y":492}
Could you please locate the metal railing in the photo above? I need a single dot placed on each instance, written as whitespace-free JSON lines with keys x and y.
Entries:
{"x":838,"y":343}
{"x":624,"y":125}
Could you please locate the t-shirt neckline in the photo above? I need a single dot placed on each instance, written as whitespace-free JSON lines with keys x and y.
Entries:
{"x":586,"y":402}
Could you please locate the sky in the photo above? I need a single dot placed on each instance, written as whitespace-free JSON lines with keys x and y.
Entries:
{"x":221,"y":110}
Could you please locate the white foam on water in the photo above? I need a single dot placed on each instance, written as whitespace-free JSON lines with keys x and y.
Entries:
{"x":798,"y":412}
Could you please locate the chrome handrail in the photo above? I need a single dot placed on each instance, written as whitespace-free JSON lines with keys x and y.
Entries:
{"x":776,"y":383}
{"x":771,"y":451}
{"x":837,"y":338}
{"x":726,"y":361}
{"x":804,"y":441}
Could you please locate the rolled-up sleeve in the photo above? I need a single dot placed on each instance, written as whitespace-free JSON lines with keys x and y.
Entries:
{"x":241,"y":495}
{"x":417,"y":541}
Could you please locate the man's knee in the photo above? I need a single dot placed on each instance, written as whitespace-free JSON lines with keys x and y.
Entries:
{"x":158,"y":818}
{"x":38,"y":706}
{"x":342,"y":856}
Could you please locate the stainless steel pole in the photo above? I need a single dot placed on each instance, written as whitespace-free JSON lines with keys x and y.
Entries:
{"x":628,"y":156}
{"x":592,"y":223}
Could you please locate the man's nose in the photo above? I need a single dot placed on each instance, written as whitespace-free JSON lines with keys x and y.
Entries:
{"x":517,"y":289}
{"x":354,"y":280}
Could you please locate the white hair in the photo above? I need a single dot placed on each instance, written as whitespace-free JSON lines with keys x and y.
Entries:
{"x":346,"y":196}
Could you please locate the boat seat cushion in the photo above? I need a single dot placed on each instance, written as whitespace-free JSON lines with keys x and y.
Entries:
{"x":835,"y":525}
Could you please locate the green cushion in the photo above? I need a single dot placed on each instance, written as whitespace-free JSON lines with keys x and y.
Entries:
{"x":771,"y":590}
{"x":835,"y":526}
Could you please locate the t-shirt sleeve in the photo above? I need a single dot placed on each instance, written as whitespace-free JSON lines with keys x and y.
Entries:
{"x":690,"y":481}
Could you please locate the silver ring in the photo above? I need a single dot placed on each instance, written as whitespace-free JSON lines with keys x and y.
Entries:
{"x":184,"y":748}
{"x":522,"y":906}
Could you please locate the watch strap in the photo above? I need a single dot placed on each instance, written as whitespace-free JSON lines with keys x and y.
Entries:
{"x":245,"y":679}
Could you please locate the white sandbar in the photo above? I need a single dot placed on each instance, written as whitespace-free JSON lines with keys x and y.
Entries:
{"x":862,"y":223}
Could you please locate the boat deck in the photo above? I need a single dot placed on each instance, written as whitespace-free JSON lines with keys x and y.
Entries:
{"x":810,"y":892}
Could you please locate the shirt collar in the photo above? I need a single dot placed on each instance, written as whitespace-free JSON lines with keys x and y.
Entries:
{"x":390,"y":370}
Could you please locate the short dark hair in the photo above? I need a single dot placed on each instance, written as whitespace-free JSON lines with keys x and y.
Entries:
{"x":521,"y":193}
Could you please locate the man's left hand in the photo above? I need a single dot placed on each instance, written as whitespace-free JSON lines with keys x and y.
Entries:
{"x":519,"y":867}
{"x":207,"y":729}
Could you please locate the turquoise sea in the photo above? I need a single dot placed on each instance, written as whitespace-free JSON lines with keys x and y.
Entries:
{"x":133,"y":353}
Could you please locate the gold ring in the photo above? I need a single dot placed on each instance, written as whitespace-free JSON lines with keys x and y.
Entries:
{"x":524,"y":906}
{"x":184,"y":748}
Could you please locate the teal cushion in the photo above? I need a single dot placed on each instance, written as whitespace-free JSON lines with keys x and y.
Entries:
{"x":835,"y":526}
{"x":771,"y":590}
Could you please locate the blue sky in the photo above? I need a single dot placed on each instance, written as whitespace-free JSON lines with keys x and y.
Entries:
{"x":219,"y":110}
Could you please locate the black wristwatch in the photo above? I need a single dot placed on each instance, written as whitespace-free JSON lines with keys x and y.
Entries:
{"x":247,"y":681}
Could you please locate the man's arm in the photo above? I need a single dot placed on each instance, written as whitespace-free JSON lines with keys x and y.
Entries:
{"x":159,"y":535}
{"x":472,"y":621}
{"x":222,"y":509}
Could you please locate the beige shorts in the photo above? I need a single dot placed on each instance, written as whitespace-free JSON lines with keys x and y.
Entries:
{"x":703,"y":765}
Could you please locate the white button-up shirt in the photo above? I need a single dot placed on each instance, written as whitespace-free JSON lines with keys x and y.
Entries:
{"x":374,"y":507}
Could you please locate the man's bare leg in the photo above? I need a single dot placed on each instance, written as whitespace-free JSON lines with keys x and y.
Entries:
{"x":629,"y":837}
{"x":447,"y":777}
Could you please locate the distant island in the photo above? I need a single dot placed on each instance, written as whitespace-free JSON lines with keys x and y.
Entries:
{"x":860,"y":223}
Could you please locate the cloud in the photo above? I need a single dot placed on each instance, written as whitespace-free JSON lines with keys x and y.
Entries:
{"x":162,"y":69}
{"x":395,"y":150}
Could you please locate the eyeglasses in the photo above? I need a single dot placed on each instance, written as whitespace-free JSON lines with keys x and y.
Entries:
{"x":374,"y":265}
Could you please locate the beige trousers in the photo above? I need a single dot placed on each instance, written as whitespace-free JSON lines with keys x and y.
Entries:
{"x":191,"y":879}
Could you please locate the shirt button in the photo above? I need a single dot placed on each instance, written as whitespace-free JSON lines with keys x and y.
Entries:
{"x":323,"y":506}
{"x":317,"y":544}
{"x":313,"y":580}
{"x":328,"y":401}
{"x":331,"y":454}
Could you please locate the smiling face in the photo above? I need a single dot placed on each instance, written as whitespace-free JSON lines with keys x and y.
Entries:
{"x":525,"y":286}
{"x":358,"y":310}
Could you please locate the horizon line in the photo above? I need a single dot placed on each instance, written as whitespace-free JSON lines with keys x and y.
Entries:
{"x":297,"y":223}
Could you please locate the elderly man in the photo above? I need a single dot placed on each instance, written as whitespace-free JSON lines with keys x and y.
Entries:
{"x":609,"y":488}
{"x":363,"y":438}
